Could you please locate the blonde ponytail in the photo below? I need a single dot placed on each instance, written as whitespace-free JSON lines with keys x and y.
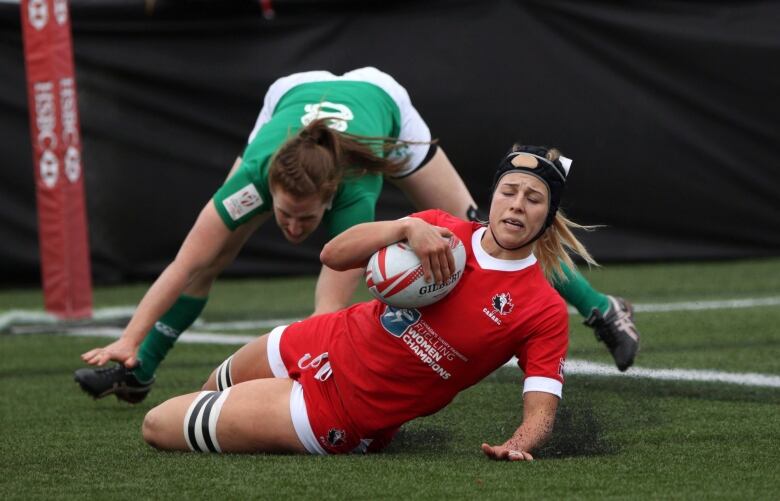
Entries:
{"x":557,"y":243}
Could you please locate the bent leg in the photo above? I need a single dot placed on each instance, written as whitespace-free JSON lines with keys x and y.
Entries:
{"x":253,"y":416}
{"x":437,"y":185}
{"x":248,"y":363}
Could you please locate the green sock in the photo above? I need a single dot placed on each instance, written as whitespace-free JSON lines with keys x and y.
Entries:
{"x":160,"y":339}
{"x":579,"y":293}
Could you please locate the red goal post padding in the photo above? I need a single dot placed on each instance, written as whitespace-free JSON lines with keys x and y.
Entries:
{"x":56,"y":145}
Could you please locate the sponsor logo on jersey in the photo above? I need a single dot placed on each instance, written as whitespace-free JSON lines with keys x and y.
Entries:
{"x":397,"y":321}
{"x":427,"y":352}
{"x":430,"y":348}
{"x":501,"y":304}
{"x":242,"y":202}
{"x":339,"y":114}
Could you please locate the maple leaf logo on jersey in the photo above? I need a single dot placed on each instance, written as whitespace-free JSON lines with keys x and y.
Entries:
{"x":336,"y":437}
{"x":503,"y":304}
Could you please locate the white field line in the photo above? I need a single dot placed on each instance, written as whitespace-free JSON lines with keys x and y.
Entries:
{"x":573,"y":367}
{"x":583,"y":367}
{"x":191,"y":337}
{"x":243,"y":325}
{"x":37,"y":317}
{"x":209,"y":335}
{"x":726,"y":304}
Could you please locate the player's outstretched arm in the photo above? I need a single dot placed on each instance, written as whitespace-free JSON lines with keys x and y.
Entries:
{"x":352,"y":248}
{"x":202,"y":247}
{"x":538,"y":418}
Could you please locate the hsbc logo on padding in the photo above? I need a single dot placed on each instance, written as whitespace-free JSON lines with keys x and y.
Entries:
{"x":72,"y":164}
{"x":61,"y":11}
{"x":49,"y":169}
{"x":38,"y":13}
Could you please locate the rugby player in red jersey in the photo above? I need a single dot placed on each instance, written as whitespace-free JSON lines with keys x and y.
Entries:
{"x":347,"y":380}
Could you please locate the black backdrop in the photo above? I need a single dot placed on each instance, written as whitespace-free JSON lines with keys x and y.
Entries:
{"x":671,"y":110}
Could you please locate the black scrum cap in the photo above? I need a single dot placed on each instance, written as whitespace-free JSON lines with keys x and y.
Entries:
{"x":551,"y":172}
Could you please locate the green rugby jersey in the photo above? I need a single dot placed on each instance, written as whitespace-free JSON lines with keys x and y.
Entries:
{"x":362,"y":108}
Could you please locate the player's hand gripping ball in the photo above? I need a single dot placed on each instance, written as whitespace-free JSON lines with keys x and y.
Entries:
{"x":394,"y":275}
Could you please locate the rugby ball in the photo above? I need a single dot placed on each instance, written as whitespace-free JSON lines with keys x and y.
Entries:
{"x":394,"y":275}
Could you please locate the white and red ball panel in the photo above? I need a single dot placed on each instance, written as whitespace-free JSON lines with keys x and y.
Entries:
{"x":394,"y":275}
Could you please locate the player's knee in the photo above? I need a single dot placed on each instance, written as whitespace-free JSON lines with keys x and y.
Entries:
{"x":152,"y":428}
{"x":210,"y":384}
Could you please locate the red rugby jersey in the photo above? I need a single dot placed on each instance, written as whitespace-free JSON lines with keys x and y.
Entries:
{"x":393,"y":365}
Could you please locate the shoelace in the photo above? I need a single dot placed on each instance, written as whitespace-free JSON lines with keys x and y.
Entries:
{"x":622,"y":321}
{"x":107,"y":370}
{"x":624,"y":324}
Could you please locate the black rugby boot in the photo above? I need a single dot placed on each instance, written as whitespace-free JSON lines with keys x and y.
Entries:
{"x":117,"y":380}
{"x":616,"y":329}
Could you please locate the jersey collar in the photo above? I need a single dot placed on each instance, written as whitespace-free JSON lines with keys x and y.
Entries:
{"x":488,"y":262}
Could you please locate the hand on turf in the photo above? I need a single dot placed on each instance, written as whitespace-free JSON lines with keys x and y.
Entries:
{"x":502,"y":453}
{"x":120,"y":351}
{"x":432,"y":245}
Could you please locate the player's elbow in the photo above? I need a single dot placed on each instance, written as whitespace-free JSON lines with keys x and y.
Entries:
{"x":333,"y":257}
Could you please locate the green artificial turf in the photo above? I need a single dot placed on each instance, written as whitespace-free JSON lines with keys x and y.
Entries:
{"x":615,"y":437}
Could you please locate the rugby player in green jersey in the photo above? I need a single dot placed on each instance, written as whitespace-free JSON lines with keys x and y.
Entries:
{"x":321,"y":148}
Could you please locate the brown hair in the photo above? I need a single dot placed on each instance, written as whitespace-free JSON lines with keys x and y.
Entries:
{"x":317,"y":158}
